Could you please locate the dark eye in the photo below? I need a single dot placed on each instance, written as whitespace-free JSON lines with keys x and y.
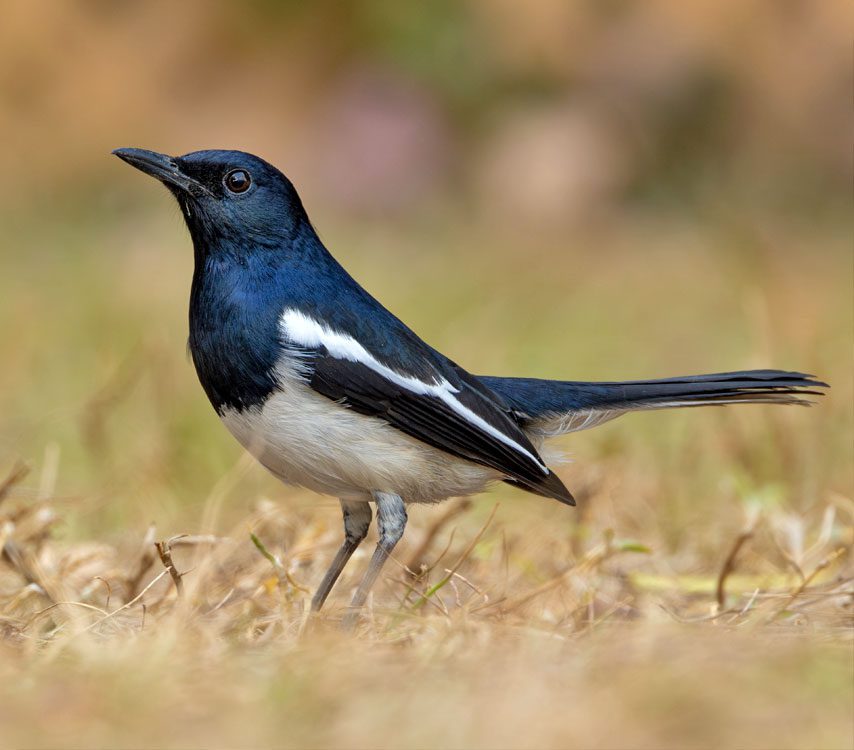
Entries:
{"x":238,"y":180}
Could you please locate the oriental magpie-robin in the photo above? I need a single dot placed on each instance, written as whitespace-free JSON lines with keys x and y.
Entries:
{"x":329,"y":390}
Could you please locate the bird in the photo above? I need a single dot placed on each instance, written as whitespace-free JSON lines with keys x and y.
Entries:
{"x":330,"y":391}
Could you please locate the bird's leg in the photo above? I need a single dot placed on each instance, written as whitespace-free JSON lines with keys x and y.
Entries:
{"x":357,"y":519}
{"x":391,"y":521}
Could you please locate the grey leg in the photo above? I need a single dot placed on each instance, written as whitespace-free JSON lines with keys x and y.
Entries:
{"x":357,"y":519}
{"x":391,"y":521}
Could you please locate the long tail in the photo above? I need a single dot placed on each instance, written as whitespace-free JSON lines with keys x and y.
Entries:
{"x":554,"y":407}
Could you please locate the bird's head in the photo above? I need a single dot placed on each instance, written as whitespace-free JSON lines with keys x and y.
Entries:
{"x":228,"y":198}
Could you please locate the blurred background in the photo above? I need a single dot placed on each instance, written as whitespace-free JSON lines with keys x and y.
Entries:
{"x":552,"y":110}
{"x":587,"y":190}
{"x":551,"y":113}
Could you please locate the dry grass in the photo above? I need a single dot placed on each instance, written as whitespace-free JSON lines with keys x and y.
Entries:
{"x":481,"y":639}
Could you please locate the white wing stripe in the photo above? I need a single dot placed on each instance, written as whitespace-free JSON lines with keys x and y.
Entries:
{"x":302,"y":330}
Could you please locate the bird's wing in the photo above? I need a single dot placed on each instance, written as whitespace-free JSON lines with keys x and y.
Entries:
{"x":432,"y":400}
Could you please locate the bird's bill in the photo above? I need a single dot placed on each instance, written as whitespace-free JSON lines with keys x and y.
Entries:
{"x":159,"y":166}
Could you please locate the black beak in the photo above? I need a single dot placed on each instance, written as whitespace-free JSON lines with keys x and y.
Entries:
{"x":162,"y":167}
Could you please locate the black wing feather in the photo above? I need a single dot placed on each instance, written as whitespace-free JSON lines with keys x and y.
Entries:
{"x":431,"y":420}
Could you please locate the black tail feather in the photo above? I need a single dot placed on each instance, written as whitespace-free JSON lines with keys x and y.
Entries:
{"x":536,"y":400}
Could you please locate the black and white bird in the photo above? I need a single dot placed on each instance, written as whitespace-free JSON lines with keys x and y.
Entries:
{"x":330,"y":391}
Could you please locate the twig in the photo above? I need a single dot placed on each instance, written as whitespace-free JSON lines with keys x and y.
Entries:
{"x":109,"y":590}
{"x":836,"y":587}
{"x":222,"y":602}
{"x":514,"y":602}
{"x":420,"y":574}
{"x":440,"y":605}
{"x":693,"y":620}
{"x":474,"y":588}
{"x":829,"y":560}
{"x":146,"y":560}
{"x":594,"y":621}
{"x":745,"y":608}
{"x":130,"y":603}
{"x":421,"y":551}
{"x":453,"y":584}
{"x":468,"y":550}
{"x":18,"y":472}
{"x":18,"y":559}
{"x":40,"y":612}
{"x":164,"y":549}
{"x":729,"y":564}
{"x":194,"y":540}
{"x":787,"y":558}
{"x":592,"y":560}
{"x":490,"y":605}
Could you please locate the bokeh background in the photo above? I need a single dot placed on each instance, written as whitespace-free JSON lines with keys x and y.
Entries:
{"x":589,"y":190}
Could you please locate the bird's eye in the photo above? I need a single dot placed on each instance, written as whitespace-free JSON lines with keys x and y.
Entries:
{"x":238,"y":180}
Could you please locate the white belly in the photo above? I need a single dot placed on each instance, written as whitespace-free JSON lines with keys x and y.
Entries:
{"x":306,"y":439}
